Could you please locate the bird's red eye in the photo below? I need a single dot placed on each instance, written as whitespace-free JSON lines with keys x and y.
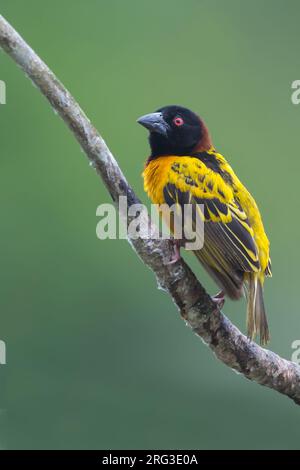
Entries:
{"x":178,"y":121}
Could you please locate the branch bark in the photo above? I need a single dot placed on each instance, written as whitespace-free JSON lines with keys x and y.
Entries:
{"x":195,"y":305}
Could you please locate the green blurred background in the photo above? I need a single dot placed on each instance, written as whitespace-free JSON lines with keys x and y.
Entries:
{"x":97,"y":357}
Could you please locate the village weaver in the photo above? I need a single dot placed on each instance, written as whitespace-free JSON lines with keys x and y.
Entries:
{"x":185,"y":167}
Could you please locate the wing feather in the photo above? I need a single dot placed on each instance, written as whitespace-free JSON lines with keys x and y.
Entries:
{"x":229,"y":246}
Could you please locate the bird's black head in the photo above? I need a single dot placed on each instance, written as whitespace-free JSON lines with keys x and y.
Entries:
{"x":174,"y":130}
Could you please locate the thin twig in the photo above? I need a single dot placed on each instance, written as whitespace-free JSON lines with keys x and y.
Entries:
{"x":195,"y":305}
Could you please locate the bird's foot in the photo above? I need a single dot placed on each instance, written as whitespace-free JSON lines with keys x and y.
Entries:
{"x":176,"y":254}
{"x":219,"y":299}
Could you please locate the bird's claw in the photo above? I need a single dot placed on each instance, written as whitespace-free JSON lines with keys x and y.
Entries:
{"x":219,"y":299}
{"x":176,"y":253}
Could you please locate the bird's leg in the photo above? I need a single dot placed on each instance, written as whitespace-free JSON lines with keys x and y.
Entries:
{"x":219,"y":299}
{"x":176,"y":254}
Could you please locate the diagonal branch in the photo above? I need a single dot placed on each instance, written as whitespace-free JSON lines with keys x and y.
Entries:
{"x":195,"y":305}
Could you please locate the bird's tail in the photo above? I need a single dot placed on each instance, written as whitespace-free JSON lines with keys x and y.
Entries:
{"x":257,"y":322}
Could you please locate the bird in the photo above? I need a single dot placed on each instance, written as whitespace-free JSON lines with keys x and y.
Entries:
{"x":184,"y":166}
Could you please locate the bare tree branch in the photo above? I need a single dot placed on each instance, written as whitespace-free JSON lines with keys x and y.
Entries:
{"x":195,"y":305}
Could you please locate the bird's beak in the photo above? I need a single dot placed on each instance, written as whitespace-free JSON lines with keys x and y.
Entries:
{"x":154,"y":122}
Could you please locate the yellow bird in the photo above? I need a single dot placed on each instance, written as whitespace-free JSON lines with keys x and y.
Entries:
{"x":184,"y":167}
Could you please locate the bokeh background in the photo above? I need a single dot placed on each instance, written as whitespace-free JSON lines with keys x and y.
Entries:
{"x":97,"y":357}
